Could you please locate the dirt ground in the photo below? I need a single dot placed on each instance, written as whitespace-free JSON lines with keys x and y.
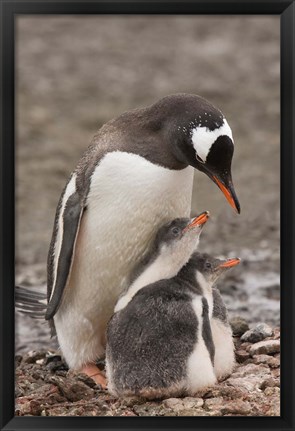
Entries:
{"x":75,"y":73}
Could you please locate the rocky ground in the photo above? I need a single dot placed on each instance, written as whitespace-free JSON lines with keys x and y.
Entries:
{"x":45,"y":387}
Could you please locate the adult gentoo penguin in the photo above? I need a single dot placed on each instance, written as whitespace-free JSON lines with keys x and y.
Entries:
{"x":159,"y":341}
{"x":136,"y":174}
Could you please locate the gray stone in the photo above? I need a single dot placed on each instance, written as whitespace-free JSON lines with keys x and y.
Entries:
{"x":192,"y":403}
{"x":245,"y":346}
{"x":149,"y":409}
{"x":249,"y":377}
{"x":272,"y":390}
{"x":251,"y":369}
{"x":265,"y":347}
{"x":73,"y":390}
{"x":270,"y":383}
{"x":175,"y":404}
{"x":239,"y":326}
{"x":34,"y":356}
{"x":258,"y":333}
{"x":214,"y":403}
{"x":266,"y":359}
{"x":242,"y":356}
{"x":236,"y":407}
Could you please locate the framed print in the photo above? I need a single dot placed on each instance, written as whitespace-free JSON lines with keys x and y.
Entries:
{"x":147,"y":215}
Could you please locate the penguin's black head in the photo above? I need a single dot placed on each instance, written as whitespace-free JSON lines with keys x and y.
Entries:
{"x":201,"y":137}
{"x":210,"y":267}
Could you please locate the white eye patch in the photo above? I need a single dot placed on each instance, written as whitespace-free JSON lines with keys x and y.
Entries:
{"x":203,"y":138}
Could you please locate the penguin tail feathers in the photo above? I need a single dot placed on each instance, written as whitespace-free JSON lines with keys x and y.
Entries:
{"x":32,"y":303}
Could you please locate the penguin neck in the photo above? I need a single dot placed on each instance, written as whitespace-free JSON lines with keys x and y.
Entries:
{"x":194,"y":279}
{"x":195,"y":284}
{"x":206,"y":285}
{"x":163,"y":266}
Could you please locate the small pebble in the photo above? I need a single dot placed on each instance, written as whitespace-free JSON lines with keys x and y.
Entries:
{"x":173,"y":403}
{"x":239,"y":326}
{"x":191,"y":402}
{"x":266,"y":347}
{"x":266,"y":359}
{"x":238,"y":407}
{"x":213,"y":403}
{"x":272,"y":390}
{"x":245,"y":346}
{"x":33,"y":356}
{"x":258,"y":333}
{"x":241,"y":356}
{"x":270,"y":383}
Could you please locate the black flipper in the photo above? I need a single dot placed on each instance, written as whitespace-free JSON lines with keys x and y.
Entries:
{"x":70,"y":220}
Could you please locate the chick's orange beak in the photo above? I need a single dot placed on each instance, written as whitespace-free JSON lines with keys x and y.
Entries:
{"x":229,"y":263}
{"x":198,"y":221}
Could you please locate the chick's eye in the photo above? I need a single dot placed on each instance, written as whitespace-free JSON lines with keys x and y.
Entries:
{"x":175,"y":231}
{"x":208,"y":265}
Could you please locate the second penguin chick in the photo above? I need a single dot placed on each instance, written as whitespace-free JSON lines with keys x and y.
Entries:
{"x":159,"y":341}
{"x":209,"y":270}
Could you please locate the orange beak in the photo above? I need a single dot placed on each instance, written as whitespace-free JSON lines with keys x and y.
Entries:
{"x":198,"y":221}
{"x":230,"y":263}
{"x":229,"y":193}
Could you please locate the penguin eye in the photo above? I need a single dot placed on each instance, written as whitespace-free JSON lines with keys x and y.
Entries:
{"x":208,"y":265}
{"x":175,"y":231}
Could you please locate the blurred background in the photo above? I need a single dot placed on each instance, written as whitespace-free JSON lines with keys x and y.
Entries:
{"x":74,"y":73}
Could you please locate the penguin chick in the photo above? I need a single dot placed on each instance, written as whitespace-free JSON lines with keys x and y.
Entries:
{"x":209,"y":271}
{"x":159,"y":341}
{"x":172,"y":247}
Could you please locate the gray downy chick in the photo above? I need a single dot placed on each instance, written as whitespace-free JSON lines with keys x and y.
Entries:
{"x":209,"y":270}
{"x":159,"y":341}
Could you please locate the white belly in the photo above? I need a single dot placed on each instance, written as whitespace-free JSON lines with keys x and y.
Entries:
{"x":224,"y":358}
{"x":200,"y":372}
{"x":129,"y":199}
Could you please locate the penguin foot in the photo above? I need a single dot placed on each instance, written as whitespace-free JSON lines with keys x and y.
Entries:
{"x":91,"y":370}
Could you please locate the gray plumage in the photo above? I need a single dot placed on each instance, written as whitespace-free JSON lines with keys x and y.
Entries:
{"x":150,"y":341}
{"x":219,"y":309}
{"x":206,"y":330}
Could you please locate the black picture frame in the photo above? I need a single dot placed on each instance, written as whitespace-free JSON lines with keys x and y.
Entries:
{"x":9,"y":10}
